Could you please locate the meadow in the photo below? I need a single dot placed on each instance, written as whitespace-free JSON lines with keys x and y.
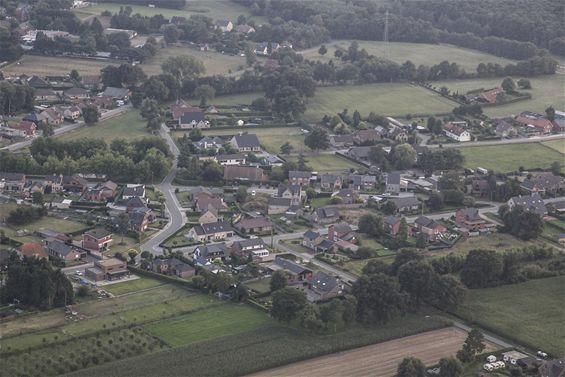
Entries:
{"x":324,"y":163}
{"x":546,"y":90}
{"x":53,"y":66}
{"x":47,"y":222}
{"x":129,"y":125}
{"x":417,"y":53}
{"x":132,"y":286}
{"x":530,"y":313}
{"x":509,"y":157}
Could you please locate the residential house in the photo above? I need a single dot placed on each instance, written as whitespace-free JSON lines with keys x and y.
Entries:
{"x":133,"y":190}
{"x":225,"y":26}
{"x":12,"y":182}
{"x":244,"y":29}
{"x":97,"y":239}
{"x":209,"y":143}
{"x":254,"y":248}
{"x":406,"y":204}
{"x":172,"y":267}
{"x":430,"y":228}
{"x":340,"y":141}
{"x":360,"y":154}
{"x":362,"y":182}
{"x":45,"y":95}
{"x":331,"y":182}
{"x":322,"y":286}
{"x":297,"y":274}
{"x":27,"y":128}
{"x":325,"y":215}
{"x":278,"y":205}
{"x":76,"y":93}
{"x":489,"y":96}
{"x":266,"y":48}
{"x":342,"y":231}
{"x":9,"y":132}
{"x":256,"y":225}
{"x":134,"y":203}
{"x":60,"y":250}
{"x":210,"y":232}
{"x":504,"y":129}
{"x":117,"y":94}
{"x":107,"y":269}
{"x":532,"y":203}
{"x":534,"y":124}
{"x":205,"y":202}
{"x":244,"y":173}
{"x":193,"y":119}
{"x":72,"y":113}
{"x":91,"y":82}
{"x":301,"y":178}
{"x":294,"y":192}
{"x":74,"y":183}
{"x":34,"y":117}
{"x":398,"y":134}
{"x":101,"y":192}
{"x":32,"y":250}
{"x":420,"y":150}
{"x":208,"y":217}
{"x":367,"y":137}
{"x":391,"y":225}
{"x":212,"y":252}
{"x":470,"y":219}
{"x":139,"y":219}
{"x":316,"y":242}
{"x":394,"y":183}
{"x":230,"y":159}
{"x":456,"y":132}
{"x":53,"y":115}
{"x":347,"y":196}
{"x":543,"y":183}
{"x":246,"y":143}
{"x":480,"y":187}
{"x":293,"y":212}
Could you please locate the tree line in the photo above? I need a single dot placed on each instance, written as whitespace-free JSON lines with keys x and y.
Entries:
{"x":15,"y":98}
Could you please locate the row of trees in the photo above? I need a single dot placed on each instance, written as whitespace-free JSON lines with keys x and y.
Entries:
{"x":15,"y":98}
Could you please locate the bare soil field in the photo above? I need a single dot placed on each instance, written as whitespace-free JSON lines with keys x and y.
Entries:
{"x":378,"y":360}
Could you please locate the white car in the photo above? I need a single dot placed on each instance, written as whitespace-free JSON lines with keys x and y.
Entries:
{"x":253,"y":193}
{"x":78,"y":273}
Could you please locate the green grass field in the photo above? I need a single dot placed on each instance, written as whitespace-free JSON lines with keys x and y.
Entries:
{"x":558,"y":145}
{"x":261,"y":286}
{"x":418,"y":53}
{"x":208,"y":324}
{"x":509,"y":157}
{"x":47,"y":222}
{"x":236,"y":99}
{"x":223,"y":9}
{"x":384,"y":99}
{"x":546,"y":90}
{"x":132,"y":286}
{"x":324,"y":163}
{"x":129,"y":125}
{"x":45,"y":65}
{"x":530,"y":313}
{"x":214,"y":62}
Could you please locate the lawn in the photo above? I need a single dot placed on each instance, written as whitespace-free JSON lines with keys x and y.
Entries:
{"x":208,"y":324}
{"x":45,"y":65}
{"x":236,"y":99}
{"x":546,"y":90}
{"x":223,"y":9}
{"x":500,"y":242}
{"x":417,"y":53}
{"x":132,"y":286}
{"x":130,"y":125}
{"x":530,"y":313}
{"x":366,"y":241}
{"x":47,"y":222}
{"x":215,"y":62}
{"x":558,"y":145}
{"x":324,"y":163}
{"x":261,"y":285}
{"x":504,"y":158}
{"x":385,"y":99}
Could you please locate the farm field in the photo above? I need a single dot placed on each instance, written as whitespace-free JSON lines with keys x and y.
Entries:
{"x":530,"y":313}
{"x":496,"y":157}
{"x":208,"y":324}
{"x":213,"y":9}
{"x":385,"y":99}
{"x":379,"y":360}
{"x":546,"y":90}
{"x":214,"y":62}
{"x":417,"y":53}
{"x":129,"y":125}
{"x":324,"y":163}
{"x":558,"y":145}
{"x":500,"y":242}
{"x":132,"y":286}
{"x":46,"y":65}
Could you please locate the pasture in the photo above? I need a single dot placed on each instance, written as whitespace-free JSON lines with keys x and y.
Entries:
{"x":379,"y":360}
{"x":417,"y":53}
{"x":208,"y":324}
{"x":325,"y":163}
{"x":530,"y":313}
{"x":214,"y":62}
{"x":129,"y":125}
{"x":497,"y":157}
{"x":546,"y":90}
{"x":53,"y":66}
{"x":391,"y":99}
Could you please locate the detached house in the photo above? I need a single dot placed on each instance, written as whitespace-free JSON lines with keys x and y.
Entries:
{"x":193,"y":119}
{"x":406,"y":204}
{"x":323,"y":287}
{"x":316,"y":242}
{"x":172,"y":266}
{"x":292,"y":192}
{"x":362,"y":182}
{"x":53,"y":116}
{"x":391,"y":225}
{"x":246,"y":143}
{"x":534,"y":124}
{"x":27,"y":128}
{"x":532,"y":203}
{"x":367,"y":137}
{"x":470,"y":219}
{"x":45,"y":95}
{"x":76,"y":93}
{"x":543,"y":183}
{"x":133,"y":190}
{"x":244,"y":29}
{"x":97,"y":239}
{"x":72,"y":113}
{"x":230,"y":159}
{"x":74,"y":183}
{"x":340,"y":141}
{"x":298,"y":274}
{"x":256,"y":225}
{"x":430,"y":228}
{"x":301,"y":178}
{"x":325,"y":215}
{"x":12,"y":182}
{"x":330,"y":182}
{"x":212,"y":252}
{"x":58,"y":249}
{"x":244,"y":173}
{"x":359,"y":153}
{"x":119,"y":94}
{"x":456,"y":132}
{"x":347,"y":196}
{"x":107,"y":269}
{"x":211,"y":232}
{"x":255,"y":248}
{"x":225,"y":26}
{"x":278,"y":205}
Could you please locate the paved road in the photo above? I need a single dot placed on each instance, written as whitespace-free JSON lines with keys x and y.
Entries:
{"x":177,"y":217}
{"x":71,"y":127}
{"x":535,"y":139}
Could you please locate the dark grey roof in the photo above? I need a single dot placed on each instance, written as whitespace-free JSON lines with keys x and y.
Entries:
{"x":426,"y":222}
{"x":407,"y":201}
{"x":299,"y":174}
{"x":133,"y":190}
{"x":209,"y":140}
{"x":220,"y":226}
{"x":222,"y":23}
{"x":327,"y":212}
{"x":212,"y":249}
{"x":323,"y":282}
{"x":311,"y":235}
{"x":343,"y":228}
{"x":533,"y":203}
{"x":12,"y":176}
{"x":255,"y":243}
{"x":74,"y":91}
{"x":98,"y":233}
{"x":274,"y":201}
{"x":247,"y":141}
{"x":345,"y":193}
{"x":471,"y":214}
{"x":115,"y":92}
{"x":544,"y":181}
{"x":391,"y":220}
{"x":359,"y":180}
{"x":293,"y":189}
{"x":225,"y":157}
{"x":360,"y":152}
{"x":329,"y":178}
{"x":290,"y":266}
{"x":192,"y":116}
{"x":393,"y":179}
{"x":60,"y":248}
{"x":136,"y":217}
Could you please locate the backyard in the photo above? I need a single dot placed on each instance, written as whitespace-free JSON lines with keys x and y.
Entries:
{"x":530,"y":313}
{"x":324,"y":163}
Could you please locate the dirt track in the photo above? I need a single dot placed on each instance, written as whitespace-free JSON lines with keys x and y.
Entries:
{"x":378,"y":360}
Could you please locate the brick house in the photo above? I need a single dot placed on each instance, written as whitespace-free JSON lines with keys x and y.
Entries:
{"x":60,"y":250}
{"x":297,"y":274}
{"x":97,"y":239}
{"x":173,"y":267}
{"x":391,"y":225}
{"x":470,"y":219}
{"x":28,"y":128}
{"x":254,"y":248}
{"x":330,"y":182}
{"x":210,"y":232}
{"x":107,"y":269}
{"x":12,"y":182}
{"x":301,"y":178}
{"x":255,"y":225}
{"x":431,"y":228}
